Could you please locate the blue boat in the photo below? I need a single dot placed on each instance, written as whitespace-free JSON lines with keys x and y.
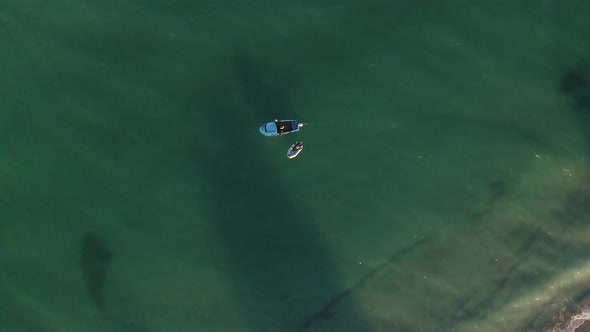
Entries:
{"x":280,"y":127}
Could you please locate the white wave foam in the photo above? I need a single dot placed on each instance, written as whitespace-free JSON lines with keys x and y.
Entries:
{"x":574,"y":322}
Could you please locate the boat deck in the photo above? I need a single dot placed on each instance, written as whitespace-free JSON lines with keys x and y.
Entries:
{"x":284,"y":126}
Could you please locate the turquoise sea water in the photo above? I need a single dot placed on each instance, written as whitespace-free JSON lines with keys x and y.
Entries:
{"x":444,"y":184}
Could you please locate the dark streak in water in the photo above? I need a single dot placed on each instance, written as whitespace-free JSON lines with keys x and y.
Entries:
{"x":497,"y":190}
{"x":95,"y":262}
{"x":576,"y":207}
{"x":327,"y":310}
{"x":465,"y":309}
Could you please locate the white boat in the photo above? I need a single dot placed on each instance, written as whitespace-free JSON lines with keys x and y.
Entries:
{"x":295,"y":149}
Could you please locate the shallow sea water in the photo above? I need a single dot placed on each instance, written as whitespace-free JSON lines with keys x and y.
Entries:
{"x":444,"y":184}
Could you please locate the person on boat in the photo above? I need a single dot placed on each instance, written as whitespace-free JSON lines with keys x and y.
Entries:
{"x":298,"y":145}
{"x":279,"y":129}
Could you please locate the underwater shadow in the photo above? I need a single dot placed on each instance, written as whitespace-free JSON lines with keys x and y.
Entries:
{"x":95,"y":263}
{"x":266,"y":92}
{"x":575,"y":88}
{"x":575,"y":85}
{"x":281,"y":269}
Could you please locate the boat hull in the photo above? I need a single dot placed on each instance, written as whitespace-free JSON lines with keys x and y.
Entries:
{"x":279,"y":127}
{"x":292,"y":153}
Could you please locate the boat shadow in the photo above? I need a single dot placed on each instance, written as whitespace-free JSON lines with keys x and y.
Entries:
{"x":267,"y":88}
{"x":281,"y":270}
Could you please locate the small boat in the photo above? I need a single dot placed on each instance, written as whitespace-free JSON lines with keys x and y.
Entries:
{"x":295,"y":149}
{"x":280,"y":127}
